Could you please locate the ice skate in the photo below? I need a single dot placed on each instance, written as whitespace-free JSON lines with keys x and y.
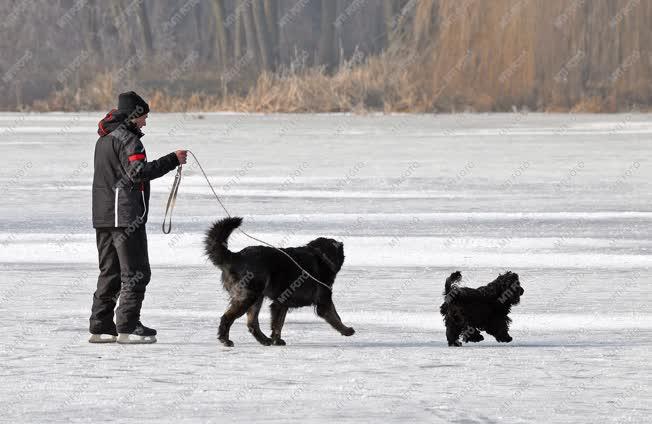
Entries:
{"x":102,"y":338}
{"x":140,"y":335}
{"x":103,"y":333}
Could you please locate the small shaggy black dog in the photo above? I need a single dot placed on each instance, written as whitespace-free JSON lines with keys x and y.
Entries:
{"x":257,"y":272}
{"x":468,"y":311}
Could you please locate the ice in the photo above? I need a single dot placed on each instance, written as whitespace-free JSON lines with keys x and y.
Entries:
{"x":563,"y":200}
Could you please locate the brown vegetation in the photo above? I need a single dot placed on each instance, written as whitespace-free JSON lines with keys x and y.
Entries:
{"x":404,"y":56}
{"x":540,"y":55}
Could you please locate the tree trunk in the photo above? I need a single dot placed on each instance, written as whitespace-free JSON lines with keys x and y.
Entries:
{"x":146,"y":29}
{"x":327,"y":35}
{"x":262,"y":35}
{"x":199,"y":13}
{"x":220,"y":32}
{"x":118,"y":23}
{"x":250,"y":31}
{"x":390,"y":20}
{"x":271,"y":13}
{"x":238,"y":43}
{"x":89,"y":33}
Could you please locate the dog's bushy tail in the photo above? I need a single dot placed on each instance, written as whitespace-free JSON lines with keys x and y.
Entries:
{"x":216,"y":239}
{"x":452,"y":281}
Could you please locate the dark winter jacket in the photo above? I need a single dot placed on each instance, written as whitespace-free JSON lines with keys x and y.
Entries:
{"x":122,"y":173}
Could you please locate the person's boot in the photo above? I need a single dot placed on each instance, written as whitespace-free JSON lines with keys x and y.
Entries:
{"x":107,"y":334}
{"x":140,"y":335}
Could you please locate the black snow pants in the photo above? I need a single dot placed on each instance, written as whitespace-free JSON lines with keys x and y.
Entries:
{"x":124,"y":273}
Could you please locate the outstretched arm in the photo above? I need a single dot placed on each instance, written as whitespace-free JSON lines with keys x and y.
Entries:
{"x":134,"y":160}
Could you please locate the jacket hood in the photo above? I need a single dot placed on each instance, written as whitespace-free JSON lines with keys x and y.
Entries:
{"x":115,"y":119}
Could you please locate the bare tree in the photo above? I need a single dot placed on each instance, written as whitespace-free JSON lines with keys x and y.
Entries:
{"x":90,"y":26}
{"x":221,"y":33}
{"x":143,"y":18}
{"x":200,"y":31}
{"x":271,"y":16}
{"x":116,"y":8}
{"x":262,"y":34}
{"x":250,"y":30}
{"x":389,"y":12}
{"x":238,"y":35}
{"x":327,"y":44}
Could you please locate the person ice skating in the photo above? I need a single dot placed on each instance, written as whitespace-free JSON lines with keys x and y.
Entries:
{"x":120,"y":205}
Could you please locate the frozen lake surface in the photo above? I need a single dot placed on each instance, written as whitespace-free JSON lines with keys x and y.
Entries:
{"x":562,"y":200}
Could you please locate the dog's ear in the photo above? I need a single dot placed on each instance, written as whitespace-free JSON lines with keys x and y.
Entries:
{"x":510,"y":290}
{"x":330,"y":252}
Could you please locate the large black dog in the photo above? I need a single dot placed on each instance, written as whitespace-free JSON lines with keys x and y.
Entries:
{"x":468,"y":311}
{"x":257,"y":272}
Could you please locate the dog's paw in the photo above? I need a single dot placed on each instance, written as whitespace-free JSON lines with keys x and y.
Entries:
{"x":475,"y":338}
{"x":265,"y":342}
{"x":504,"y":339}
{"x":226,"y":342}
{"x":348,"y":332}
{"x":278,"y":342}
{"x":456,"y":343}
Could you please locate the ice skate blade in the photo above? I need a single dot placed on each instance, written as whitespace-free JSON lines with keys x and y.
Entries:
{"x":126,"y":338}
{"x":101,"y":338}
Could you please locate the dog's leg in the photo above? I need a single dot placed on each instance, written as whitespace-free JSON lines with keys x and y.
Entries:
{"x":499,"y":329}
{"x":278,"y":319}
{"x":237,"y":308}
{"x":453,"y":331}
{"x":327,"y":312}
{"x":254,"y":326}
{"x":472,"y":334}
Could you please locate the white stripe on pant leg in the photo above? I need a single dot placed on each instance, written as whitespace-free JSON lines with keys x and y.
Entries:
{"x":115,"y":206}
{"x":142,"y":194}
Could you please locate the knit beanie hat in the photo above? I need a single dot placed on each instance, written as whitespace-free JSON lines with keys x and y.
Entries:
{"x":132,"y":105}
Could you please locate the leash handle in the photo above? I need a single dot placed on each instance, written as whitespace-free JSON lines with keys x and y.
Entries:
{"x":172,"y":200}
